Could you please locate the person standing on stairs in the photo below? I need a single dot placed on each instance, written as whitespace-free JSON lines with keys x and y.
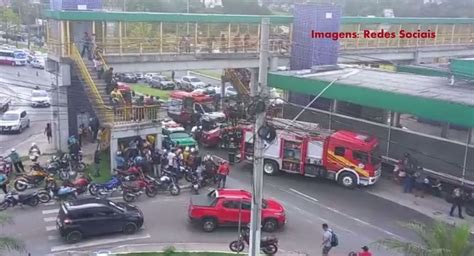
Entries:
{"x":108,"y":75}
{"x":86,"y":45}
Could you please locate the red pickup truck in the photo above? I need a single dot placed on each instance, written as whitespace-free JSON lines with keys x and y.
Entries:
{"x":221,"y":208}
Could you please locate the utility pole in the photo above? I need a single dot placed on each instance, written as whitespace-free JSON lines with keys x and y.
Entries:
{"x":259,"y":145}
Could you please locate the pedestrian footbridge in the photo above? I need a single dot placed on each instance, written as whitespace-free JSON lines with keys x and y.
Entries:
{"x":139,"y":41}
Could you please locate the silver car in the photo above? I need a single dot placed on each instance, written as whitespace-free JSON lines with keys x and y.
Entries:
{"x":14,"y":121}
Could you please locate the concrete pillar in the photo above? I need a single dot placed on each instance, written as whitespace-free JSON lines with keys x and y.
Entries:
{"x":60,"y":118}
{"x":273,"y":63}
{"x":222,"y":94}
{"x":444,"y":130}
{"x":253,"y":81}
{"x":417,"y":57}
{"x":113,"y":150}
{"x":60,"y":125}
{"x":396,"y":119}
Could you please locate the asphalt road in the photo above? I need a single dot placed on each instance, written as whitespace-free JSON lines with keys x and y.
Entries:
{"x":358,"y":218}
{"x":19,"y":88}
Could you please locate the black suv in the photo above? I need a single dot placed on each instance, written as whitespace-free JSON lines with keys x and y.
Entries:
{"x":91,"y":217}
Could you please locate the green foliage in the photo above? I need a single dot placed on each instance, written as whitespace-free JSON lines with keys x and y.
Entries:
{"x":243,"y":7}
{"x":7,"y":243}
{"x":169,"y":251}
{"x":437,"y":240}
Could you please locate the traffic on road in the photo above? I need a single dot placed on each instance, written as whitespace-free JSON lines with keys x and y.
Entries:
{"x":211,"y":158}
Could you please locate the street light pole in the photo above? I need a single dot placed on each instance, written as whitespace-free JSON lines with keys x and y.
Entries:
{"x":259,"y":145}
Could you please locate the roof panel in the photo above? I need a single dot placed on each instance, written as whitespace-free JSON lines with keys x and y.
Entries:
{"x":424,"y":96}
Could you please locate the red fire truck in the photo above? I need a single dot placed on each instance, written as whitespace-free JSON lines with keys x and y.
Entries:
{"x":347,"y":157}
{"x":183,"y":105}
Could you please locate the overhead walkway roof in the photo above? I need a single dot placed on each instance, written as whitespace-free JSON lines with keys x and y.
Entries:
{"x":231,"y":18}
{"x":424,"y":96}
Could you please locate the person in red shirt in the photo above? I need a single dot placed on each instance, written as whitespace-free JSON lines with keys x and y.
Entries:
{"x":365,"y":251}
{"x":223,"y":171}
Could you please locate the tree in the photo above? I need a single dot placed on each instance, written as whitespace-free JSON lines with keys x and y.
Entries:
{"x":437,"y":240}
{"x":8,"y":243}
{"x":244,"y":7}
{"x":9,"y":19}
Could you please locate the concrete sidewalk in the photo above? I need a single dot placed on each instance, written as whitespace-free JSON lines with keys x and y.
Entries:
{"x":161,"y":247}
{"x":433,"y":207}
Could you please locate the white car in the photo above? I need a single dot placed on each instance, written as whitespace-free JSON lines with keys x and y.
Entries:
{"x":229,"y":91}
{"x":14,"y":121}
{"x":38,"y":63}
{"x":40,"y":98}
{"x":149,"y":76}
{"x":190,"y":83}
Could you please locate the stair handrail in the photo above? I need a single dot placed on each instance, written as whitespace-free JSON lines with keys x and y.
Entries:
{"x":237,"y":83}
{"x":76,"y":56}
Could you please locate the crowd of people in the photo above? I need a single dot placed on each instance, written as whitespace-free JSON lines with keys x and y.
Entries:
{"x":142,"y":153}
{"x":413,"y":179}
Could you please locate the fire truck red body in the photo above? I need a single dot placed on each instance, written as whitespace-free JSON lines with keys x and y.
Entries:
{"x":347,"y":157}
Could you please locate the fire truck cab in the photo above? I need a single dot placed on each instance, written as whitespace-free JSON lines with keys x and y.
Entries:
{"x":184,"y":106}
{"x":346,"y":157}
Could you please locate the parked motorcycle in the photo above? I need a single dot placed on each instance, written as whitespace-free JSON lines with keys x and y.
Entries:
{"x":5,"y":166}
{"x":132,"y":190}
{"x":12,"y":199}
{"x":268,"y":245}
{"x":131,"y":174}
{"x":165,"y":183}
{"x":81,"y":183}
{"x":61,"y":167}
{"x":53,"y":190}
{"x":32,"y":179}
{"x":105,"y":189}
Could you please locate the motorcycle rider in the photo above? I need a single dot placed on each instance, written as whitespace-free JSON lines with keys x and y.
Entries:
{"x":16,"y":160}
{"x":186,"y":154}
{"x":34,"y":150}
{"x":120,"y":161}
{"x":209,"y":166}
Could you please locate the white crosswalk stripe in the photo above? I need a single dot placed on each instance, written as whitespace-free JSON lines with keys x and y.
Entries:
{"x":49,"y":219}
{"x":52,"y":238}
{"x":52,"y":211}
{"x":50,"y":228}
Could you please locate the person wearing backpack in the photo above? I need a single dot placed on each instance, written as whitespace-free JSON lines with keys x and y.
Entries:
{"x":329,"y":240}
{"x":457,"y":202}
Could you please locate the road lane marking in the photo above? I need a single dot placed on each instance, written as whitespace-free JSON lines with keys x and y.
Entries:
{"x":50,"y":228}
{"x":292,"y":192}
{"x":304,"y":195}
{"x":52,"y":211}
{"x":52,"y":238}
{"x":50,"y":203}
{"x":98,"y":242}
{"x":49,"y":219}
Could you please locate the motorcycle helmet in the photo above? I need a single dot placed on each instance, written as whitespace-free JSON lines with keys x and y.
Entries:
{"x":186,"y":149}
{"x":164,"y":178}
{"x":119,"y":153}
{"x":13,"y":149}
{"x":192,"y":150}
{"x":33,"y":144}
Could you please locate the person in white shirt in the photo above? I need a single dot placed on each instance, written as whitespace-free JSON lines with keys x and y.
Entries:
{"x":326,"y":244}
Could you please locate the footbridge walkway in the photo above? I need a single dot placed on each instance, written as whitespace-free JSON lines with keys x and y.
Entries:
{"x":141,"y":41}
